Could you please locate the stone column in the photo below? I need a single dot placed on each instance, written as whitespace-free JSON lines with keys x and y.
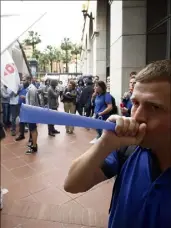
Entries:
{"x":101,"y":39}
{"x":94,"y":53}
{"x":128,"y":43}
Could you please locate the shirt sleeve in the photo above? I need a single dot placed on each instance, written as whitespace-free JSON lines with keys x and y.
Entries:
{"x":9,"y":91}
{"x":110,"y":165}
{"x":108,"y":98}
{"x":4,"y":94}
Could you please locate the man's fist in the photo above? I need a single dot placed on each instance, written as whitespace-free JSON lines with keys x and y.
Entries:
{"x":127,"y":132}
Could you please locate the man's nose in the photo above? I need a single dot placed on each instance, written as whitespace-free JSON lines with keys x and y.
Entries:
{"x":139,"y":115}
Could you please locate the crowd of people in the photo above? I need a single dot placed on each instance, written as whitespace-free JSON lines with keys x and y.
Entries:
{"x":88,"y":96}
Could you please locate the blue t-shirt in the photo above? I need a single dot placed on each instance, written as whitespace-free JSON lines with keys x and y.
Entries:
{"x":139,"y":200}
{"x":23,"y":91}
{"x":101,"y":102}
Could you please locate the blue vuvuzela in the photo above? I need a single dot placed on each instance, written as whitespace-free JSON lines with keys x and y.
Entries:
{"x":32,"y":114}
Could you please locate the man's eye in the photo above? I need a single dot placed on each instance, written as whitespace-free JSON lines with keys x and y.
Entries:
{"x":155,"y":107}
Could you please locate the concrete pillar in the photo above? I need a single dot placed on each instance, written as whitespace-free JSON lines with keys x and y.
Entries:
{"x":94,"y":54}
{"x":128,"y":43}
{"x":90,"y":46}
{"x":101,"y":39}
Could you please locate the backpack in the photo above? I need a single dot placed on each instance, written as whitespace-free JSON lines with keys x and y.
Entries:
{"x":124,"y":153}
{"x":114,"y":110}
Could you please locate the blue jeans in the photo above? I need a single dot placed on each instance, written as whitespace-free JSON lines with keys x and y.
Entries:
{"x":6,"y":113}
{"x":100,"y":131}
{"x":14,"y":114}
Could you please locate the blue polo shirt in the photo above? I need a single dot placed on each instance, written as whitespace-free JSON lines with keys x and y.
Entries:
{"x":101,"y":102}
{"x":23,"y":91}
{"x":141,"y":194}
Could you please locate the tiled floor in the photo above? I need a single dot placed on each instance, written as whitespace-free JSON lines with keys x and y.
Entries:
{"x":36,"y":197}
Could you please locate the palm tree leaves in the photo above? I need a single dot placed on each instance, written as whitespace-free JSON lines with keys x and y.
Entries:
{"x":51,"y":54}
{"x":33,"y":39}
{"x":76,"y":49}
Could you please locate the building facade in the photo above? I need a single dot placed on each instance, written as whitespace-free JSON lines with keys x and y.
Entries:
{"x":123,"y":36}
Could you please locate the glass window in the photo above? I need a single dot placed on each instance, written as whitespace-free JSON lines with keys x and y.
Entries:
{"x":156,"y":11}
{"x":157,"y":44}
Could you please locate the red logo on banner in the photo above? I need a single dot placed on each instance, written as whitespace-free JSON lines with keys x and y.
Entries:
{"x":9,"y":69}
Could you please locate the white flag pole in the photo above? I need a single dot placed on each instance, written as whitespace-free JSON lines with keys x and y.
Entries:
{"x":10,"y":44}
{"x":9,"y":73}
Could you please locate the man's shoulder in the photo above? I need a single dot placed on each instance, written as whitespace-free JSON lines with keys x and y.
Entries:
{"x":32,"y":87}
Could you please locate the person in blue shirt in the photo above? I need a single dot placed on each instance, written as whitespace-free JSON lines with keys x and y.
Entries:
{"x":138,"y":153}
{"x":126,"y":100}
{"x":102,"y":103}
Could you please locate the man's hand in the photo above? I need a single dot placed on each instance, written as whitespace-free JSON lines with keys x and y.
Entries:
{"x":22,"y":97}
{"x":127,"y":132}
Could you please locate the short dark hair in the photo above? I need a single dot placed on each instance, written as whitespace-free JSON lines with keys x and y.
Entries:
{"x":156,"y":71}
{"x":133,"y":73}
{"x":102,"y":85}
{"x":28,"y":77}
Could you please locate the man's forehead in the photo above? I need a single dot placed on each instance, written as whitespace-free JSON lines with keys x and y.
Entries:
{"x":154,"y":86}
{"x":152,"y":90}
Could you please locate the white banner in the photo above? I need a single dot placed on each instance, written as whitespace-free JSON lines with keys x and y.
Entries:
{"x":9,"y":73}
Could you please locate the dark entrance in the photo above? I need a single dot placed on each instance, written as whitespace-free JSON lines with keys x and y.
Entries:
{"x":158,"y":30}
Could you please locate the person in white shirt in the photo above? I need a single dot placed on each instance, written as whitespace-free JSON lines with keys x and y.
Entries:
{"x":61,"y":88}
{"x":13,"y":110}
